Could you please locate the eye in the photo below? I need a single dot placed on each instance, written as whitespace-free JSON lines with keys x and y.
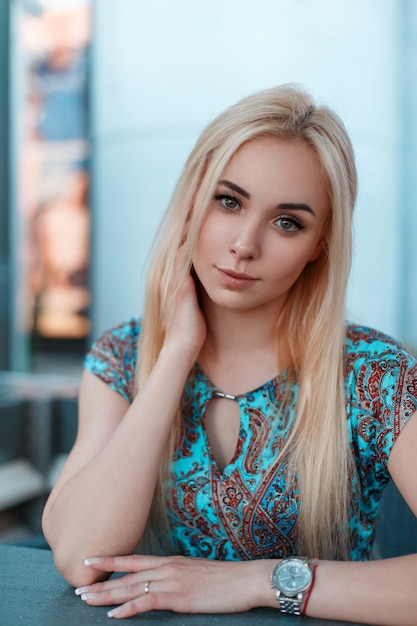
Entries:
{"x":288,"y":224}
{"x":228,"y":202}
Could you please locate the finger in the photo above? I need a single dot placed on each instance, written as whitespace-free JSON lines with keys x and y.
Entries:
{"x":150,"y":574}
{"x":149,"y":602}
{"x":130,"y":563}
{"x":114,"y":563}
{"x":117,"y":595}
{"x":136,"y":599}
{"x":128,"y":610}
{"x":112,"y":583}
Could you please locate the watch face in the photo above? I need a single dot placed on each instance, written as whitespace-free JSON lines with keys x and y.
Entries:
{"x":292,"y":576}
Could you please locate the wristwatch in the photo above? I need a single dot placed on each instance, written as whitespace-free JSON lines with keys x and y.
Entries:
{"x":292,"y":578}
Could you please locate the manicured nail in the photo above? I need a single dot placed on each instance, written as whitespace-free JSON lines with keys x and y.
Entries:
{"x":113,"y":612}
{"x":92,"y":561}
{"x":80,"y":590}
{"x":88,"y":596}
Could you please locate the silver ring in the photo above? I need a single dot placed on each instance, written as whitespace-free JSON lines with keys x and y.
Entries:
{"x":147,"y":585}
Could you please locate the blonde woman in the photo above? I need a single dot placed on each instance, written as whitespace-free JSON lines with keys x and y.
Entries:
{"x":243,"y":421}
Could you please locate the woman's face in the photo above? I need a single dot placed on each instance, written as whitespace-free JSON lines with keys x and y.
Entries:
{"x":262,"y":227}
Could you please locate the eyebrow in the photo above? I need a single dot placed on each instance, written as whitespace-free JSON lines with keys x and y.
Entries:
{"x":234,"y":187}
{"x":285,"y":206}
{"x":296,"y":206}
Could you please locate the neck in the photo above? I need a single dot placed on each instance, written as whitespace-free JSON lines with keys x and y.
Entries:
{"x":239,"y":332}
{"x":239,"y":352}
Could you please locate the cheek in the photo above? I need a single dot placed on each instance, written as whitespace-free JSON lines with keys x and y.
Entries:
{"x":290,"y":261}
{"x":201,"y":252}
{"x":210,"y":235}
{"x":317,"y":248}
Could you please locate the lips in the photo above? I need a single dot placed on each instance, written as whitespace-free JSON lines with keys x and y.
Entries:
{"x":235,"y":279}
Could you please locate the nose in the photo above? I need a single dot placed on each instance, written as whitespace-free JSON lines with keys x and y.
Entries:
{"x":245,"y":244}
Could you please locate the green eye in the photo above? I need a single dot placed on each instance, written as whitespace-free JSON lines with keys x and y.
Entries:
{"x":289,"y":224}
{"x":286,"y":224}
{"x":228,"y":202}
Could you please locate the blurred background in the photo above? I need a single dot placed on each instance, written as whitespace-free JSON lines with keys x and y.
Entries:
{"x":100,"y":103}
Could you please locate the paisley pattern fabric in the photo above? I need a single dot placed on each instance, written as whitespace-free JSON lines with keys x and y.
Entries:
{"x":248,"y":510}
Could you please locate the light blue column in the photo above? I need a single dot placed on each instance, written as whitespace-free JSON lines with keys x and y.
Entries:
{"x":407,"y":278}
{"x":4,"y":187}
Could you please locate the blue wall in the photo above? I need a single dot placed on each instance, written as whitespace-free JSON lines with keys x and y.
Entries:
{"x":162,"y":70}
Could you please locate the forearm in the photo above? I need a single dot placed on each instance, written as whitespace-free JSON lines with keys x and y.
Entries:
{"x":382,"y":592}
{"x":104,"y":507}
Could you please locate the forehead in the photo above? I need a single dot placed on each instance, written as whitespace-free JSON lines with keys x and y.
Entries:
{"x":272,"y":155}
{"x":281,"y":166}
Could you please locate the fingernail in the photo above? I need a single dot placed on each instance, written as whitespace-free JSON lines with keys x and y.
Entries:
{"x":80,"y":590}
{"x":92,"y":561}
{"x":88,"y":596}
{"x":113,"y":612}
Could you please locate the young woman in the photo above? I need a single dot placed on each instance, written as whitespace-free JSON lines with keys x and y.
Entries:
{"x":243,"y":421}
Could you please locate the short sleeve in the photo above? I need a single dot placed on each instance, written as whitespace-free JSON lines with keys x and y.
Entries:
{"x":113,"y":358}
{"x":383,"y":393}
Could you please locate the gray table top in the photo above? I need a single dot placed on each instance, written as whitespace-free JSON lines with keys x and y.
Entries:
{"x":34,"y":387}
{"x":33,"y":593}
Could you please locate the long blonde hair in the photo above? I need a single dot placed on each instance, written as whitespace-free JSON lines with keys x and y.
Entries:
{"x":312,"y":325}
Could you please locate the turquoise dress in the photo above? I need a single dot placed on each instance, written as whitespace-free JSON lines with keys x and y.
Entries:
{"x":246,"y":511}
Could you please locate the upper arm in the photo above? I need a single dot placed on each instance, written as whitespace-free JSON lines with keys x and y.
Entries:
{"x":402,"y":463}
{"x":100,"y":410}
